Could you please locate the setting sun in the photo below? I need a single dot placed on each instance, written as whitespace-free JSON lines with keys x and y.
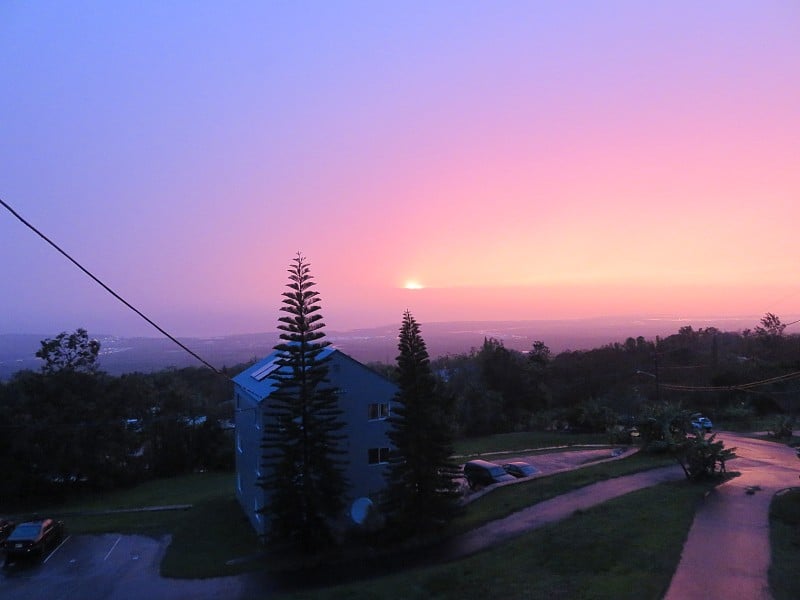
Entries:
{"x":413,"y":285}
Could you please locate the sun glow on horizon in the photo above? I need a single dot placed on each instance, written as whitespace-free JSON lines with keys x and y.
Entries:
{"x":413,"y":285}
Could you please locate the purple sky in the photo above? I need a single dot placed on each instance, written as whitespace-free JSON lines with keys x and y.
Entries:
{"x":514,"y":160}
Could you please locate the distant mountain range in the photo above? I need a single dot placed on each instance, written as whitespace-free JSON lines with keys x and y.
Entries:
{"x":378,"y":344}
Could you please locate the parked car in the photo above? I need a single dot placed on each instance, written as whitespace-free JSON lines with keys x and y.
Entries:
{"x":6,"y":527}
{"x":701,"y":422}
{"x":519,"y":469}
{"x":483,"y":472}
{"x":33,"y":539}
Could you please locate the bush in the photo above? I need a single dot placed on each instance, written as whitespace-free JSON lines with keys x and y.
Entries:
{"x":741,"y":413}
{"x":781,"y":428}
{"x":701,"y":456}
{"x":663,"y":425}
{"x":620,"y":434}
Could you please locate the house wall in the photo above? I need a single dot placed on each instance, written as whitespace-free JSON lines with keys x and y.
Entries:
{"x":248,"y":435}
{"x":358,"y":388}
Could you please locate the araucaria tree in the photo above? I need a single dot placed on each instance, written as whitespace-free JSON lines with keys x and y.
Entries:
{"x":422,"y":492}
{"x":302,"y":465}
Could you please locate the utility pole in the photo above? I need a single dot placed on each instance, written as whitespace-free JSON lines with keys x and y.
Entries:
{"x":658,"y":386}
{"x":654,"y":374}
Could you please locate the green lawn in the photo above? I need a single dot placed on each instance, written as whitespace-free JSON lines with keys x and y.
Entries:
{"x":214,"y":530}
{"x":626,"y":548}
{"x":183,"y":489}
{"x":784,"y":537}
{"x":524,"y":440}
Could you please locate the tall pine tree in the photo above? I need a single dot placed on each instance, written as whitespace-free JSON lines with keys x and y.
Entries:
{"x":422,"y":492}
{"x":302,"y":465}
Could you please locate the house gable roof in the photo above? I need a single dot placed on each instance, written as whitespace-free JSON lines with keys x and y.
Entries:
{"x":256,"y":380}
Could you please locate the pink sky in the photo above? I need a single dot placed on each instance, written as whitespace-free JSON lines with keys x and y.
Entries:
{"x":520,"y":160}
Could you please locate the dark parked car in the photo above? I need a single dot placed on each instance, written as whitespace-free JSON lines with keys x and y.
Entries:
{"x":6,"y":527}
{"x":33,"y":539}
{"x":519,"y":469}
{"x":483,"y":472}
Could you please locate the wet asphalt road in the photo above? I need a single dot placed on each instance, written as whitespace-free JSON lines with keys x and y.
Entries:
{"x":100,"y":567}
{"x":727,"y":552}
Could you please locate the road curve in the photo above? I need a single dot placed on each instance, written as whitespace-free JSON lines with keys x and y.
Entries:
{"x":727,"y":552}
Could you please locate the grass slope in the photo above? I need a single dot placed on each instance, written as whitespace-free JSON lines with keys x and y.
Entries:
{"x":626,"y":548}
{"x":784,"y":515}
{"x":524,"y":440}
{"x":509,"y":499}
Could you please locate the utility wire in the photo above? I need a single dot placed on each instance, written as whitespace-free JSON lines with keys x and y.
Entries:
{"x":729,"y":388}
{"x":108,"y":289}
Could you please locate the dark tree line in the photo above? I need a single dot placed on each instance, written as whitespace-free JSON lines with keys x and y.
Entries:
{"x":498,"y":390}
{"x":71,"y":426}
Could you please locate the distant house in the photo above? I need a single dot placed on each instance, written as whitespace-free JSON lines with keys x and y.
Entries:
{"x":365,"y":398}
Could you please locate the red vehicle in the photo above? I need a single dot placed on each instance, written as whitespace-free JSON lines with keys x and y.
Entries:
{"x":6,"y":526}
{"x":33,"y":539}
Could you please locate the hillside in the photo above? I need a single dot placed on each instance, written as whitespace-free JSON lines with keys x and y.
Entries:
{"x":123,"y":355}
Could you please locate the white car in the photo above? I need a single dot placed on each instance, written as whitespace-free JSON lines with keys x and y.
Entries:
{"x":703,"y":423}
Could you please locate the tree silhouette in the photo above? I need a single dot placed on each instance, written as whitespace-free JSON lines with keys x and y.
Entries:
{"x":770,"y":325}
{"x":69,"y":352}
{"x":422,"y":492}
{"x":303,"y":475}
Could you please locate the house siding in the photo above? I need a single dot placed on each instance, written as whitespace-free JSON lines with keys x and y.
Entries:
{"x":248,"y":457}
{"x":358,"y":388}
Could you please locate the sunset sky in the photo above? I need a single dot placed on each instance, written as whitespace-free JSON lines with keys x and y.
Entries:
{"x":514,"y":160}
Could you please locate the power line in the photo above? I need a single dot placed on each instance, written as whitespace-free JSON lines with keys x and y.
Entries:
{"x":730,"y":388}
{"x":108,"y":289}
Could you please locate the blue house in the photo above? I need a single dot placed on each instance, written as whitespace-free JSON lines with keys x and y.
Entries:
{"x":365,"y":398}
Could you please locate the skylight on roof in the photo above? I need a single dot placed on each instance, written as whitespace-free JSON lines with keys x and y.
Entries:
{"x":268,"y":368}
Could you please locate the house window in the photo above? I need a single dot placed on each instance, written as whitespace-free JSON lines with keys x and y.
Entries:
{"x":257,"y":511}
{"x":377,"y":456}
{"x":378,"y":411}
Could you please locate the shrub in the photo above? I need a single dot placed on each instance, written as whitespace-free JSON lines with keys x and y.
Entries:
{"x":781,"y":428}
{"x":663,"y":425}
{"x":619,"y":434}
{"x":702,"y":456}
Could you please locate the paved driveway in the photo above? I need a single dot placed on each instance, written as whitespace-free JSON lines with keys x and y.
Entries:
{"x":107,"y":567}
